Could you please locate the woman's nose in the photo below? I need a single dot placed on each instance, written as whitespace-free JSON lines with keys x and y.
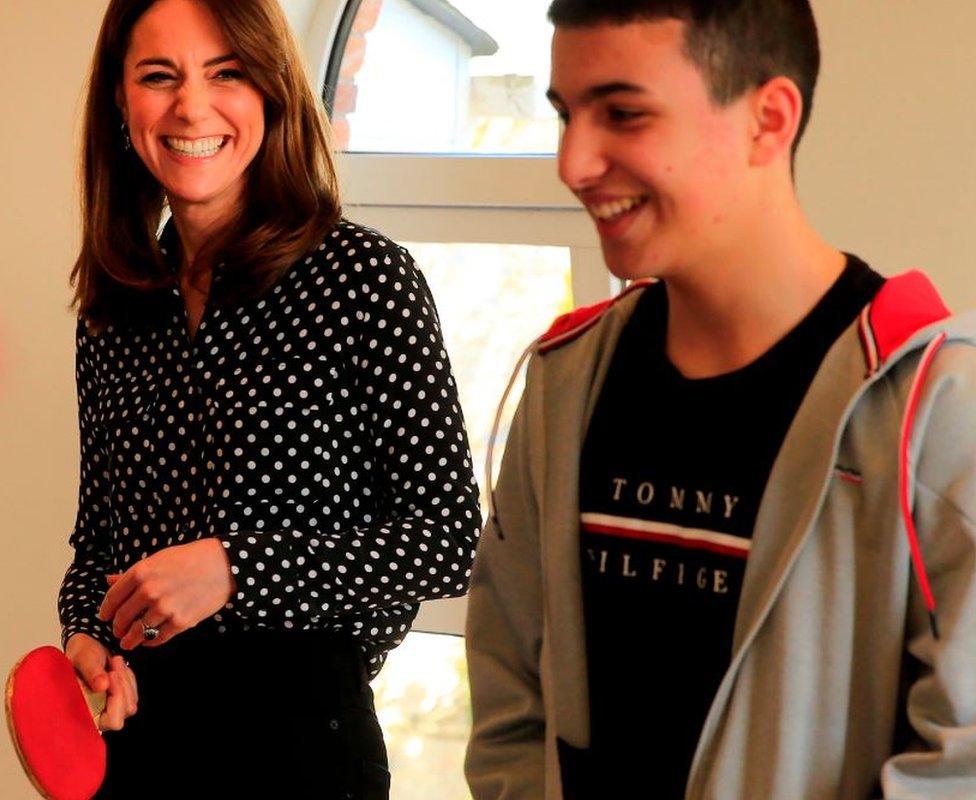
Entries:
{"x":192,"y":101}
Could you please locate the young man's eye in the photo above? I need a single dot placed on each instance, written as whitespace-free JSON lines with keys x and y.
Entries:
{"x":623,"y":115}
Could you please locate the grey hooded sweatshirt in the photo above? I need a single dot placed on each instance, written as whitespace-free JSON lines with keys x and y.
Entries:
{"x":858,"y":607}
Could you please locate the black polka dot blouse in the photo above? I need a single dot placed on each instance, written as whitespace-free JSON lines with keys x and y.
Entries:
{"x":316,"y":432}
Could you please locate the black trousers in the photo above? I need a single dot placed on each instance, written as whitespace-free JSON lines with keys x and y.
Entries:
{"x":276,"y":714}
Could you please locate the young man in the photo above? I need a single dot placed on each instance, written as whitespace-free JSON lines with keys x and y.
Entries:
{"x":732,"y":552}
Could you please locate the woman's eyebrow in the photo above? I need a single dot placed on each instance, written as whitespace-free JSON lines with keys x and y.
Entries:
{"x":159,"y":61}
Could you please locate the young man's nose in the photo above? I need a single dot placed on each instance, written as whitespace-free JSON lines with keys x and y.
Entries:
{"x":581,"y":158}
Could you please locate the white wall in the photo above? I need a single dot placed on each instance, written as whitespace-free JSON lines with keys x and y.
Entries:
{"x":888,"y":170}
{"x":45,"y":46}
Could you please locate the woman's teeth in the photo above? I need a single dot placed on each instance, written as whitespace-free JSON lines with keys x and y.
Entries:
{"x":196,"y":148}
{"x":607,"y":211}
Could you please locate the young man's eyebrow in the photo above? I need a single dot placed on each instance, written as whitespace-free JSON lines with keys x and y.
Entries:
{"x":158,"y":61}
{"x":599,"y":91}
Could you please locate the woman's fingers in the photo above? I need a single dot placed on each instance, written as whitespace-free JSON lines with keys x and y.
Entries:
{"x":119,"y":591}
{"x":132,"y":637}
{"x":130,"y":677}
{"x":135,"y":636}
{"x":130,"y":611}
{"x":167,"y":630}
{"x":89,"y":659}
{"x":113,"y":717}
{"x":129,"y":684}
{"x":122,"y":696}
{"x":128,"y":696}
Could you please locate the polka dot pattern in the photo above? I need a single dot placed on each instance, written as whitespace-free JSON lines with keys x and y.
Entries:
{"x":316,"y":432}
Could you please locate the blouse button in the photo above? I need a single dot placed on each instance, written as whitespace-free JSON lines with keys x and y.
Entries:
{"x":334,"y":724}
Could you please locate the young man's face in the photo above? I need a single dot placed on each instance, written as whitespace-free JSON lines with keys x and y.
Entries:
{"x":660,"y":168}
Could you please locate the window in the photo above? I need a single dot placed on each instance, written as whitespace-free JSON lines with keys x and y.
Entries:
{"x":424,"y":709}
{"x":445,"y":77}
{"x":449,"y":148}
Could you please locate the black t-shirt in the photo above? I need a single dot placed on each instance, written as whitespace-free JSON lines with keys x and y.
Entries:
{"x":671,"y":477}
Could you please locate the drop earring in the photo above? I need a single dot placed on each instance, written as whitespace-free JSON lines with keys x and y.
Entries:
{"x":126,"y":141}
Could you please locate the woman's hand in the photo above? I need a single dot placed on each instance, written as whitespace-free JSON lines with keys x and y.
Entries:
{"x":171,"y":590}
{"x":103,"y":672}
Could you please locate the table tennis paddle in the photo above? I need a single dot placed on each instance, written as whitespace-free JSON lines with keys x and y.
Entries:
{"x":52,"y":717}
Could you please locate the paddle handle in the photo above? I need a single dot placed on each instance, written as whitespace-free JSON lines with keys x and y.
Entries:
{"x":96,"y":700}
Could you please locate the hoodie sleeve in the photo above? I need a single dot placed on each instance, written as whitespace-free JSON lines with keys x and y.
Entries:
{"x":505,"y":757}
{"x":941,"y":764}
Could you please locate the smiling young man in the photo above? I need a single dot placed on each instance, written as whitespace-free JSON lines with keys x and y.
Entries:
{"x":731,"y":550}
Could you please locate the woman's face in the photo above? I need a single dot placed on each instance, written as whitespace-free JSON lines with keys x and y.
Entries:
{"x":194,"y":119}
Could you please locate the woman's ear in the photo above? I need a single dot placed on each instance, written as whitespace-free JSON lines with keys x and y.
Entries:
{"x":777,"y":107}
{"x":120,"y":104}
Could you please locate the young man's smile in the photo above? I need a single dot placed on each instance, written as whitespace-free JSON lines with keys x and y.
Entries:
{"x":613,"y":214}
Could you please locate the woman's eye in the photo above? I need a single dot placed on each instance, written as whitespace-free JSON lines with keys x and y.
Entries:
{"x":230,"y":75}
{"x":155,"y":77}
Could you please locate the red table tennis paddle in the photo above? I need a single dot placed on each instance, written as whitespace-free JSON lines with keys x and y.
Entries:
{"x":52,"y":720}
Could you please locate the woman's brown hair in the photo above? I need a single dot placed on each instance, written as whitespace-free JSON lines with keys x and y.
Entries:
{"x":291,"y":195}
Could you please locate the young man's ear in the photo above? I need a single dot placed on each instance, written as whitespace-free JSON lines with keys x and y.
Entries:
{"x":777,"y":107}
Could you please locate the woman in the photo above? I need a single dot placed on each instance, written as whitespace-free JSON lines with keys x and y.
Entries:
{"x":274,"y":465}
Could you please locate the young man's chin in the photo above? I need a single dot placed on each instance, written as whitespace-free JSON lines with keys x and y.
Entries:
{"x":629,"y":268}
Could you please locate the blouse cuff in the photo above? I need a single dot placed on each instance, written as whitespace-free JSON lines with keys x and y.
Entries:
{"x":100,"y":631}
{"x":260,"y":563}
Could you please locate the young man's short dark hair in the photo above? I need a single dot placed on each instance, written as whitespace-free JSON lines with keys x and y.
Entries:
{"x":738,"y":44}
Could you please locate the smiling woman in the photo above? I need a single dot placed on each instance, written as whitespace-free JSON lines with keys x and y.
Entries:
{"x":181,"y":115}
{"x":196,"y":126}
{"x":275,"y":472}
{"x":168,"y":80}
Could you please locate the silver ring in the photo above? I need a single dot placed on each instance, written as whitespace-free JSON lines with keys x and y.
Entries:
{"x":149,"y":632}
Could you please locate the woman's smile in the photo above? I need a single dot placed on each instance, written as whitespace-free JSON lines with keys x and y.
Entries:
{"x":196,"y":149}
